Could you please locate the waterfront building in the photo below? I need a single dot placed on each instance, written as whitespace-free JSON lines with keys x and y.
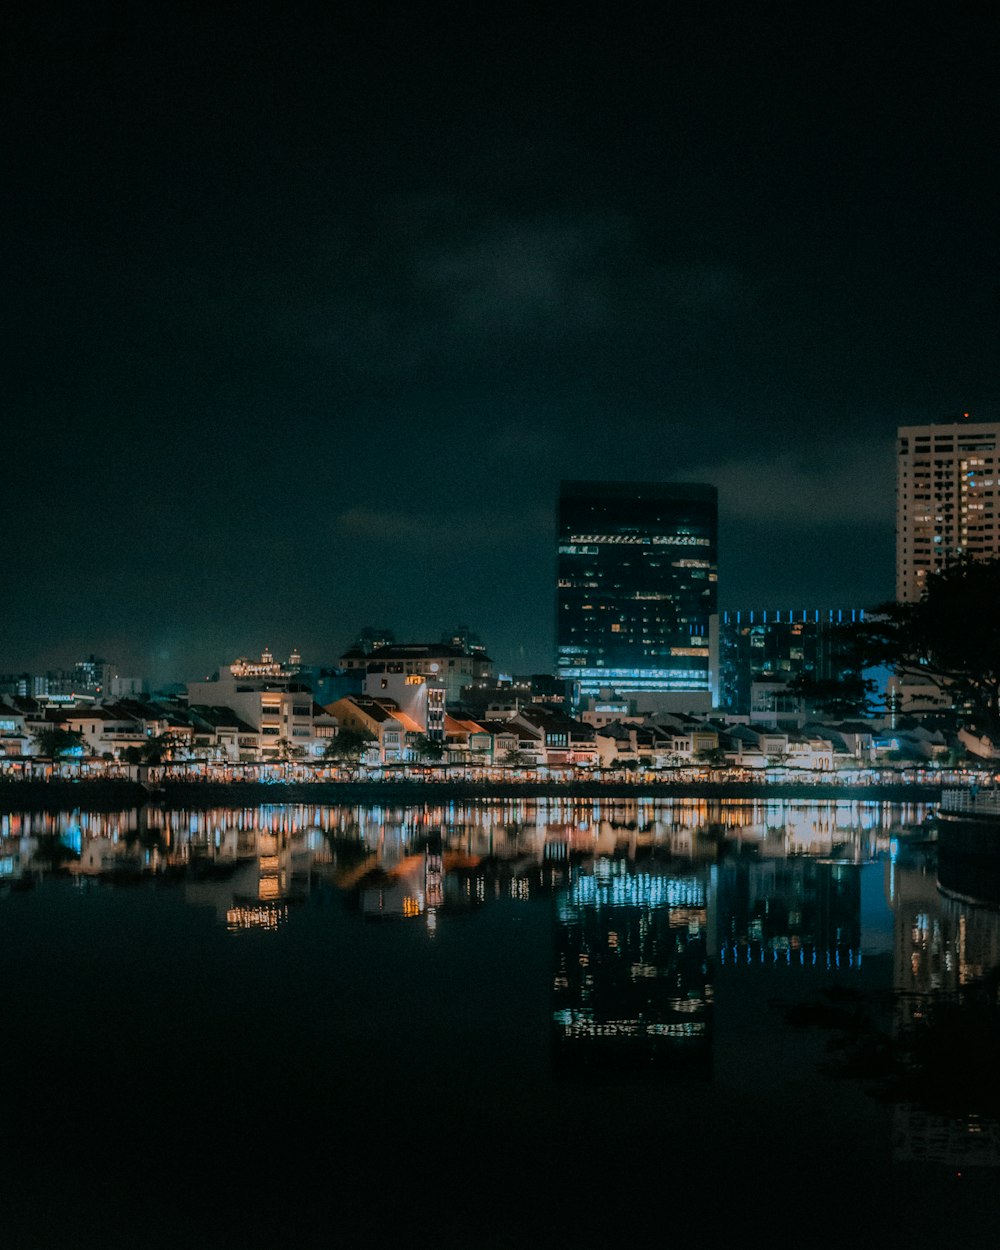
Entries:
{"x":636,"y":591}
{"x":947,"y":499}
{"x":266,"y":667}
{"x":680,"y":738}
{"x":91,"y":676}
{"x":565,"y":740}
{"x":420,"y":699}
{"x":15,"y":738}
{"x":510,"y":738}
{"x":454,"y":665}
{"x":15,"y":683}
{"x":220,"y":734}
{"x":109,"y":729}
{"x":269,"y":697}
{"x":389,"y":729}
{"x":627,"y":745}
{"x":467,"y":741}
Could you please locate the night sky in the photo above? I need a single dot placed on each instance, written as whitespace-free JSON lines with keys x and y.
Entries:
{"x":308,"y":310}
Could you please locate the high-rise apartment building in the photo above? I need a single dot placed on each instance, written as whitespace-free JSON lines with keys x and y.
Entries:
{"x":947,"y":495}
{"x":636,"y":590}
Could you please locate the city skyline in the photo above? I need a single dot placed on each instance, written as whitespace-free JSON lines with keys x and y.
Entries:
{"x":308,"y":318}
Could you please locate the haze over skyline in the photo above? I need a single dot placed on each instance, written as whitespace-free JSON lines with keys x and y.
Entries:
{"x":310,"y":311}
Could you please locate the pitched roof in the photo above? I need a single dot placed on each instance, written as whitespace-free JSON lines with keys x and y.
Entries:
{"x":459,"y":725}
{"x":376,"y":710}
{"x":215,"y":716}
{"x":495,"y":727}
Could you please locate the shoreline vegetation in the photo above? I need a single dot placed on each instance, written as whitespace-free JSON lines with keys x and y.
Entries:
{"x":113,"y":794}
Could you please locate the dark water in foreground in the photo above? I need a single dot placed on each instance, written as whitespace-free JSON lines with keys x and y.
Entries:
{"x":488,"y":1025}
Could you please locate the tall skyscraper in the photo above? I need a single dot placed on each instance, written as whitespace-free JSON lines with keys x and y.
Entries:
{"x":636,"y":590}
{"x":947,"y":495}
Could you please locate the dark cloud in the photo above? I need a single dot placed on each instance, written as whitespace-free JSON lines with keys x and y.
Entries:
{"x":309,"y":312}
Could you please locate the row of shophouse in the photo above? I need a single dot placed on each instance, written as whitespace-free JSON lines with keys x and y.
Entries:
{"x":533,"y":738}
{"x":407,"y":707}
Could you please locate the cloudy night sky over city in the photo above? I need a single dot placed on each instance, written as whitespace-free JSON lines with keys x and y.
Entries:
{"x":309,"y":309}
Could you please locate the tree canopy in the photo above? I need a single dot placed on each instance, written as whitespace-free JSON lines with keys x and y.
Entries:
{"x":849,"y":694}
{"x":951,"y":638}
{"x":57,"y":740}
{"x":427,"y":748}
{"x":349,"y":744}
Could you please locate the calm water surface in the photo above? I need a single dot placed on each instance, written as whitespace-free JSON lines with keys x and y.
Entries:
{"x":491,"y":1024}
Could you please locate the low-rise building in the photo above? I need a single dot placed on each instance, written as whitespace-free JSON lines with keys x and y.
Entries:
{"x":15,"y":738}
{"x":219,"y":734}
{"x":374,"y":717}
{"x":567,"y":742}
{"x":512,"y":740}
{"x":467,"y":741}
{"x":421,"y":699}
{"x":270,"y":698}
{"x":453,"y":666}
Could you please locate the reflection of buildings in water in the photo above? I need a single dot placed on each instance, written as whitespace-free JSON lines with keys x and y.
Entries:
{"x":854,"y":830}
{"x":244,"y":895}
{"x":924,"y":959}
{"x":677,"y":828}
{"x":266,"y":916}
{"x":248,"y":868}
{"x":968,"y":866}
{"x":397,"y":894}
{"x":437,"y":882}
{"x":632,"y":977}
{"x":941,"y":944}
{"x":942,"y":947}
{"x":489,"y":849}
{"x":919,"y":1136}
{"x":800,"y":911}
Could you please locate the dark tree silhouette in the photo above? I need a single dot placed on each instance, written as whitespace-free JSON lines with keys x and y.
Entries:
{"x":349,"y":745}
{"x":427,"y":749}
{"x":57,"y":741}
{"x":847,"y":695}
{"x":951,"y":638}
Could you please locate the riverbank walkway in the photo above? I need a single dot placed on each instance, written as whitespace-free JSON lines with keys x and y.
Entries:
{"x":121,"y":794}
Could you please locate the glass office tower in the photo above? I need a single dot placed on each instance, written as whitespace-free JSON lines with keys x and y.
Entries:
{"x":636,"y":574}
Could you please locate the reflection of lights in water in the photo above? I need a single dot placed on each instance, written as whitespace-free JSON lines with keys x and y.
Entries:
{"x":576,"y":1023}
{"x":636,"y":890}
{"x":432,"y":921}
{"x":788,"y":952}
{"x":267,"y":918}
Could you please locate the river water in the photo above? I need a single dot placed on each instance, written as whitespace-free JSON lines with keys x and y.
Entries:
{"x":492,"y":1023}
